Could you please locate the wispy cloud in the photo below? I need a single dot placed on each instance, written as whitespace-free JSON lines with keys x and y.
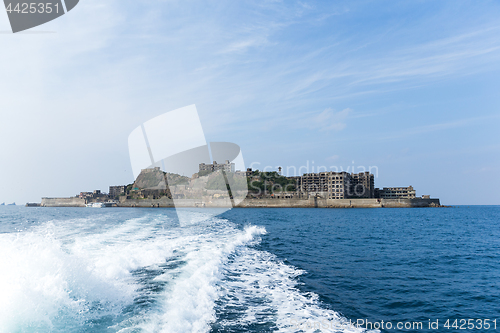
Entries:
{"x":329,"y":120}
{"x":243,"y":45}
{"x":440,"y":127}
{"x":333,"y":158}
{"x":360,"y":71}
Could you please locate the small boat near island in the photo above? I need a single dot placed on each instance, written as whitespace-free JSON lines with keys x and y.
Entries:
{"x":100,"y":204}
{"x":2,"y":204}
{"x":12,"y":204}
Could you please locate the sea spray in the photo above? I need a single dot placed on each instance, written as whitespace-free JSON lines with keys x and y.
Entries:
{"x":189,"y":304}
{"x":139,"y":270}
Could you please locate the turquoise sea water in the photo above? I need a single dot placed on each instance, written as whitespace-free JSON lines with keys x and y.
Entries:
{"x":249,"y":270}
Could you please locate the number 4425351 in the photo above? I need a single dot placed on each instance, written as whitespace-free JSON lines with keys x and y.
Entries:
{"x":32,"y":8}
{"x":470,"y":324}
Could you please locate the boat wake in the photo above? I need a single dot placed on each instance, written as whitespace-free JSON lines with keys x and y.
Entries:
{"x":149,"y":274}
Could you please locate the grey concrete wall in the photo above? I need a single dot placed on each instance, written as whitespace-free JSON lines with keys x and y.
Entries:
{"x":339,"y":203}
{"x":353,"y":203}
{"x":416,"y":202}
{"x":277,"y":203}
{"x":62,"y":202}
{"x":255,"y":203}
{"x":310,"y":203}
{"x":163,"y":202}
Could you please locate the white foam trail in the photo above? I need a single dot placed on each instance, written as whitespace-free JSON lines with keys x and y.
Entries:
{"x":63,"y":274}
{"x":119,"y":251}
{"x":49,"y":273}
{"x":188,"y":303}
{"x":40,"y":282}
{"x":264,"y":289}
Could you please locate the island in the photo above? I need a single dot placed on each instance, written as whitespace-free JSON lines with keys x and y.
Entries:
{"x":219,"y":185}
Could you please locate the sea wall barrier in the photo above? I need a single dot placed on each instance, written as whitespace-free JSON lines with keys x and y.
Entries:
{"x":255,"y":203}
{"x":62,"y":202}
{"x":339,"y":203}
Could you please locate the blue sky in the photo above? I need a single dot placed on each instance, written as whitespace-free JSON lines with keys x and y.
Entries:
{"x":410,"y":87}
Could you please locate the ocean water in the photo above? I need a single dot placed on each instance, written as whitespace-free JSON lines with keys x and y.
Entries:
{"x":249,"y":270}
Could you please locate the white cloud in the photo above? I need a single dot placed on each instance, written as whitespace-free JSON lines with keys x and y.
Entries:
{"x":329,"y":120}
{"x":333,"y":158}
{"x":243,"y":45}
{"x":466,"y":122}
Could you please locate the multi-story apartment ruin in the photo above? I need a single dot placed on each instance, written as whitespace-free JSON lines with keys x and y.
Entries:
{"x":397,"y":193}
{"x":226,"y":166}
{"x":362,"y":185}
{"x":344,"y":185}
{"x":115,"y":191}
{"x":338,"y":185}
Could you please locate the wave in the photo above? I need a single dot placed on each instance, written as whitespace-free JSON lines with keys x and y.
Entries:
{"x":187,"y":303}
{"x":260,"y":294}
{"x":41,"y":282}
{"x":150,"y":274}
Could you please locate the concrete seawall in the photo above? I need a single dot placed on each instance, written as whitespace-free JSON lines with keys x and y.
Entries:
{"x":63,"y":202}
{"x":339,"y":203}
{"x":146,"y":203}
{"x":256,"y":203}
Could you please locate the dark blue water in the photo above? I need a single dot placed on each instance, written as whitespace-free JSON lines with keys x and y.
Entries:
{"x":249,"y":270}
{"x":397,"y":265}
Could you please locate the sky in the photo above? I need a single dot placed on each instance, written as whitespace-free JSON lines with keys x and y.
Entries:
{"x":407,"y":89}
